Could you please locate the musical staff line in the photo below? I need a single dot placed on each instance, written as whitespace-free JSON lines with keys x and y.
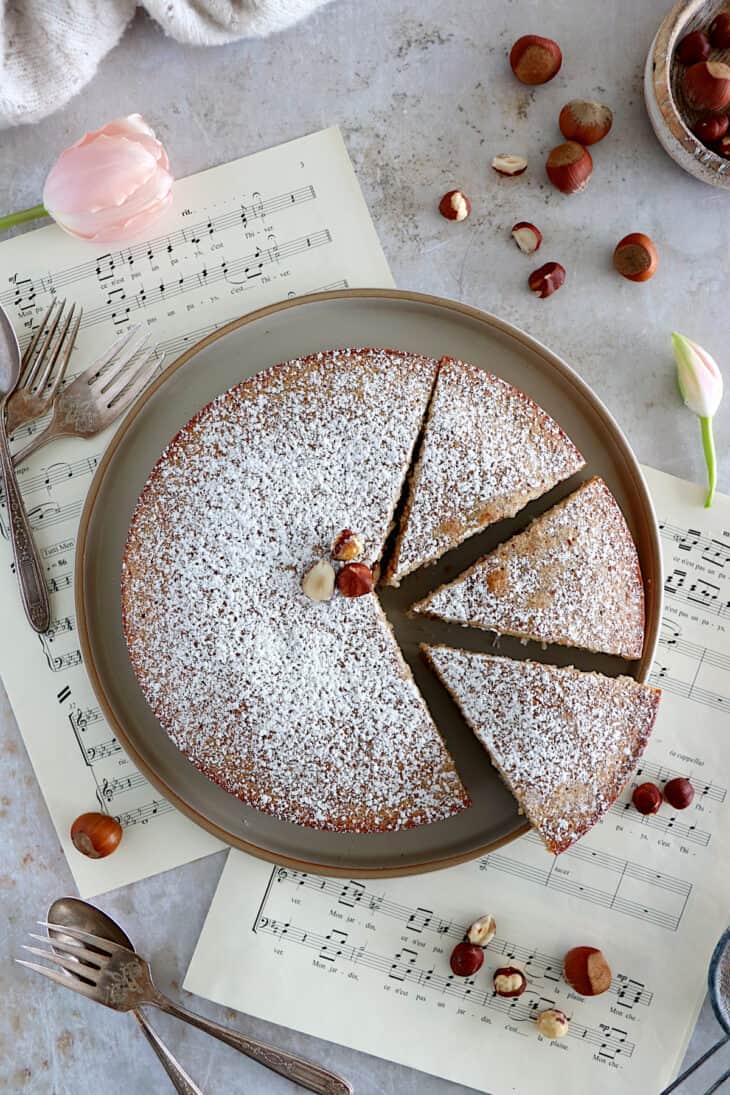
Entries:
{"x":700,"y":593}
{"x":676,"y":889}
{"x":353,"y":894}
{"x":104,"y":266}
{"x":712,"y":550}
{"x":669,"y":825}
{"x":610,"y":1042}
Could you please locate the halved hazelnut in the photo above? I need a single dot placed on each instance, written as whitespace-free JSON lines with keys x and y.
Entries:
{"x":319,"y":581}
{"x":535,"y":60}
{"x":482,"y":931}
{"x":636,"y":257}
{"x":569,"y":167}
{"x":527,"y":237}
{"x":347,"y":545}
{"x":506,"y":163}
{"x":455,"y":206}
{"x":509,"y":981}
{"x":585,"y":121}
{"x":707,"y":85}
{"x":722,"y":147}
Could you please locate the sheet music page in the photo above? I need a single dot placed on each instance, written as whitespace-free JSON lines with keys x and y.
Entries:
{"x":366,"y":963}
{"x":280,"y":223}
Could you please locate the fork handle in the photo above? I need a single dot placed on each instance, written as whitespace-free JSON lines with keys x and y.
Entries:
{"x":50,"y":433}
{"x":27,"y":561}
{"x":179,"y":1077}
{"x":302,"y":1072}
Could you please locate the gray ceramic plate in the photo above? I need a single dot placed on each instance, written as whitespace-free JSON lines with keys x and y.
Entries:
{"x":406,"y":321}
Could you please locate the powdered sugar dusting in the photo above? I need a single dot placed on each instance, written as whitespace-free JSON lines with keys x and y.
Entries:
{"x":572,"y":577}
{"x":301,"y":708}
{"x":565,"y":742}
{"x":487,"y":451}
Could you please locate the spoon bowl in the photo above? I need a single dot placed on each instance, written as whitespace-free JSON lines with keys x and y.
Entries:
{"x":10,"y":361}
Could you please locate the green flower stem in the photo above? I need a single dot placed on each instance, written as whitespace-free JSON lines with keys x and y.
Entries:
{"x":708,"y":444}
{"x":22,"y":215}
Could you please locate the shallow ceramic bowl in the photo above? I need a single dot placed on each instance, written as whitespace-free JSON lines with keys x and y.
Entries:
{"x":669,"y":113}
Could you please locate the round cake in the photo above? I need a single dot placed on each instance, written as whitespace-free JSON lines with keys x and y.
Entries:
{"x":301,"y":708}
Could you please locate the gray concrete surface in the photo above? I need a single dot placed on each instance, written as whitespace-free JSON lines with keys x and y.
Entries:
{"x":424,"y":98}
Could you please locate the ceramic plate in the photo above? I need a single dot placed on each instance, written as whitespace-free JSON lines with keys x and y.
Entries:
{"x":401,"y":320}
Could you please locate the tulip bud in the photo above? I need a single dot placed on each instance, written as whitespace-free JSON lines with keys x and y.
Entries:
{"x":700,"y":385}
{"x":112,"y":183}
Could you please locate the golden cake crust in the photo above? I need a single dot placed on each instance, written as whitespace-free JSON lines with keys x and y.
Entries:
{"x":303,"y":709}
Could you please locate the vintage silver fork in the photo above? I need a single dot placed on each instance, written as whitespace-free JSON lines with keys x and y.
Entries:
{"x":44,"y":365}
{"x":100,"y":394}
{"x":121,"y":979}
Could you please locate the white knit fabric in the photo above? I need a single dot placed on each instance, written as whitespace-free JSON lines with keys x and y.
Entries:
{"x":51,"y":48}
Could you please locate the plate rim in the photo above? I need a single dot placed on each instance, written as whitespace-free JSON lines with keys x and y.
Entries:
{"x":80,"y":564}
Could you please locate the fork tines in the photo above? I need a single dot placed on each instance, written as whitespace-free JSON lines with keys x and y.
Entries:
{"x":52,"y":336}
{"x":71,"y":955}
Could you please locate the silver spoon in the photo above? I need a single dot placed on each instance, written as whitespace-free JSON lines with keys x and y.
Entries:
{"x":72,"y":913}
{"x":27,"y":561}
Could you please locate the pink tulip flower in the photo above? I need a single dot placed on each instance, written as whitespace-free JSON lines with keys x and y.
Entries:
{"x":112,"y":183}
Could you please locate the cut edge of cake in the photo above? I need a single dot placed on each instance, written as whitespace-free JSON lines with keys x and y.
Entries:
{"x":395,"y":571}
{"x":557,"y":833}
{"x":631,"y":614}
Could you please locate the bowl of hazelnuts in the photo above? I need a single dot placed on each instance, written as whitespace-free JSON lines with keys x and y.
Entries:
{"x":687,"y":88}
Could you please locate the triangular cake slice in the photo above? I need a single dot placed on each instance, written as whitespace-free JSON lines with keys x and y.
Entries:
{"x":564,"y":742}
{"x":487,"y":450}
{"x":572,"y":577}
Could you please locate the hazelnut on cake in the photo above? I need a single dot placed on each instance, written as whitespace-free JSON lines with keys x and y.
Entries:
{"x":298,"y":702}
{"x":487,"y":450}
{"x":564,"y":742}
{"x":572,"y":577}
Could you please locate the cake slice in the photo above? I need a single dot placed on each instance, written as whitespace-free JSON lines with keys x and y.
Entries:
{"x":572,"y":578}
{"x":487,"y":450}
{"x":564,"y":742}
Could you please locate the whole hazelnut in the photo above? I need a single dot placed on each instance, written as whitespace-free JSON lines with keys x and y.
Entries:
{"x":96,"y":835}
{"x":636,"y":257}
{"x":647,"y":798}
{"x":347,"y":545}
{"x":707,"y":85}
{"x":711,"y":127}
{"x":720,"y":31}
{"x":569,"y":167}
{"x":535,"y":60}
{"x":455,"y":206}
{"x":482,"y":931}
{"x":509,"y":981}
{"x":355,"y":580}
{"x":587,"y":971}
{"x":585,"y":121}
{"x":679,"y":793}
{"x":318,"y":582}
{"x":544,"y":281}
{"x":553,"y":1023}
{"x":693,"y":47}
{"x":466,"y":959}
